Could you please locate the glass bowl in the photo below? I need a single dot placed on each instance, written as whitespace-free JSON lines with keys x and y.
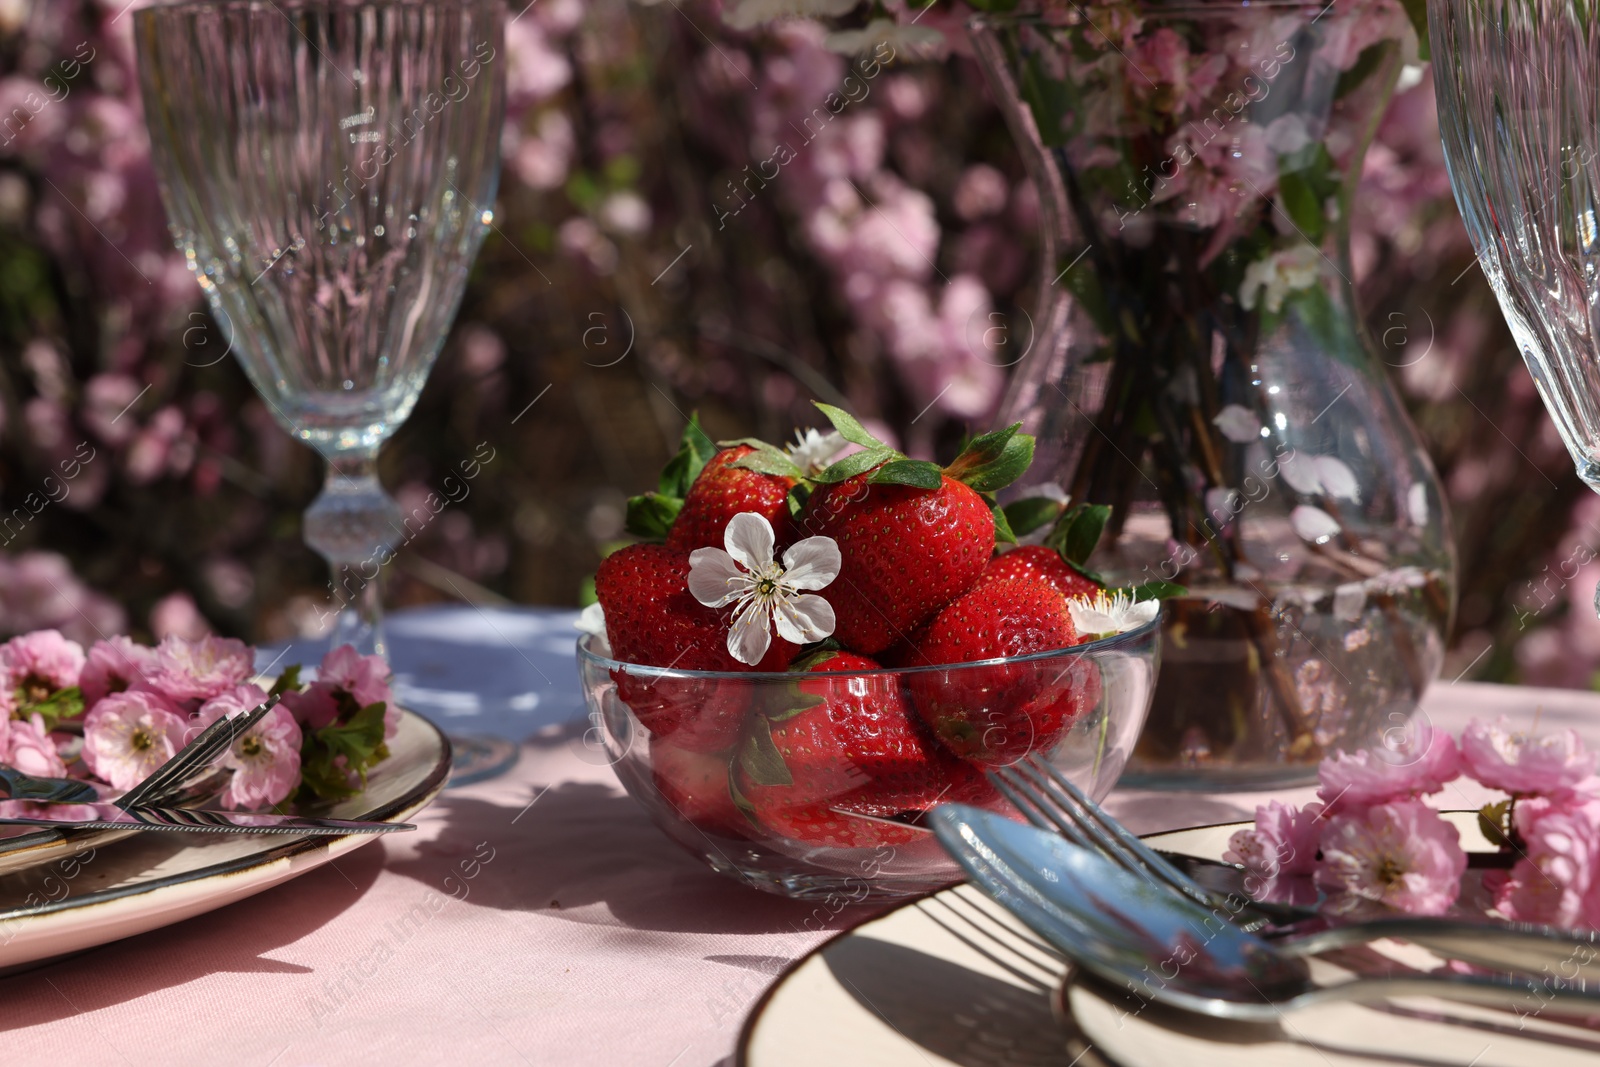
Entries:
{"x":706,"y":753}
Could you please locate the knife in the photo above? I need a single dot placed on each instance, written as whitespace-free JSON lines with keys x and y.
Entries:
{"x":69,"y":816}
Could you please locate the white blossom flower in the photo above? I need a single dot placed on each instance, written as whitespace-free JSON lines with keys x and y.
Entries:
{"x":1238,"y":424}
{"x":749,"y":14}
{"x":812,"y":449}
{"x":592,"y":620}
{"x":1105,"y":616}
{"x":1417,"y":504}
{"x":1311,"y":475}
{"x":1275,"y":277}
{"x":764,"y":590}
{"x":917,"y":42}
{"x":1313,"y":524}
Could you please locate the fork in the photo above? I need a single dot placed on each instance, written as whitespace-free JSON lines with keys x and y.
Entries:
{"x":1049,"y":801}
{"x":193,"y":760}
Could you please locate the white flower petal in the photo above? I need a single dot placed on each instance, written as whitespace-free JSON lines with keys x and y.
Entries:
{"x":751,"y":632}
{"x":750,"y":540}
{"x":1338,"y":480}
{"x":812,"y":563}
{"x":1139,"y":614}
{"x":813,"y":449}
{"x":714,"y":579}
{"x":1238,"y":423}
{"x":804,"y":619}
{"x":1417,"y":504}
{"x":1302,"y":473}
{"x":1313,"y":524}
{"x":592,"y":621}
{"x":1349,"y":600}
{"x":1088,"y":619}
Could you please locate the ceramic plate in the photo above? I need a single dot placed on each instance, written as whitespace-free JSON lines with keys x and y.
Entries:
{"x":952,"y":978}
{"x":132,"y":884}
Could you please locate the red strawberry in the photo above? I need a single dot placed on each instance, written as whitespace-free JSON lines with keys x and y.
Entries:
{"x":849,"y":741}
{"x":906,"y":552}
{"x":696,"y":786}
{"x":996,"y":715}
{"x":652,"y":619}
{"x":1030,"y":561}
{"x":723,"y":491}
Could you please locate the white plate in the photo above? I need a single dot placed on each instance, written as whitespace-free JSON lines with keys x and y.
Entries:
{"x":149,"y":880}
{"x":952,"y":978}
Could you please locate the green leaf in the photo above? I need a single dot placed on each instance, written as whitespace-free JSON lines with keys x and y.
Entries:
{"x":916,"y":473}
{"x":1303,"y":205}
{"x":586,"y":593}
{"x":695,"y":449}
{"x":359,"y":740}
{"x":58,"y":706}
{"x":1152,"y":590}
{"x":986,"y":448}
{"x":768,"y":460}
{"x":697,"y":440}
{"x":1003,"y":534}
{"x":848,"y":427}
{"x":759,"y":757}
{"x":799,"y":493}
{"x":650,"y":516}
{"x":1077,"y":531}
{"x":1370,"y":59}
{"x":288,"y":680}
{"x":1494,"y":820}
{"x":857,"y":463}
{"x":1417,"y":12}
{"x":1013,"y":460}
{"x":1028,"y":514}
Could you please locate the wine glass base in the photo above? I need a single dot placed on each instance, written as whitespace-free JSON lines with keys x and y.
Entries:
{"x":479,"y":757}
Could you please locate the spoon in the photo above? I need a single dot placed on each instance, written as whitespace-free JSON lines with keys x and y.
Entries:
{"x":1170,"y":949}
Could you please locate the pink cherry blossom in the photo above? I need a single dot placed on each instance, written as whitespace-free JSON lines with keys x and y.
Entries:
{"x":346,"y":681}
{"x":1283,"y":842}
{"x":37,"y":664}
{"x":1503,"y":758}
{"x":1423,"y":764}
{"x":112,"y":666}
{"x":199,"y":670}
{"x":266,"y":760}
{"x":1401,"y":854}
{"x":314,"y":706}
{"x":25,"y":745}
{"x":1555,"y":880}
{"x":128,"y":735}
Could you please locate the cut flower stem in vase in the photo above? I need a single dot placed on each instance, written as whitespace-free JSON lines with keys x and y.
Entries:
{"x":1201,"y":366}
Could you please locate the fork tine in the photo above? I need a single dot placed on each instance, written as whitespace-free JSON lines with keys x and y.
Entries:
{"x":1035,"y":808}
{"x":1111,"y":836}
{"x":197,"y":754}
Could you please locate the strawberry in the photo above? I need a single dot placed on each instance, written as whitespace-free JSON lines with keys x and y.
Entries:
{"x":848,"y":740}
{"x":696,"y":786}
{"x":997,"y":714}
{"x":652,"y":619}
{"x":723,"y":490}
{"x":1043,"y":563}
{"x":911,"y":537}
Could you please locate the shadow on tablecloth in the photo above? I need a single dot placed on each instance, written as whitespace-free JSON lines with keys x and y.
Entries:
{"x":215,"y":943}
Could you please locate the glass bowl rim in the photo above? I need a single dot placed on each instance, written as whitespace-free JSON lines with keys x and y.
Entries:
{"x":1088,"y":648}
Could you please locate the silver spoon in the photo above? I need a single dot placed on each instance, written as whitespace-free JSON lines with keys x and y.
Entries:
{"x":1170,"y":949}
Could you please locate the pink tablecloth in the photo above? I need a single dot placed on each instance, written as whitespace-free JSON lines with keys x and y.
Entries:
{"x":584,"y":937}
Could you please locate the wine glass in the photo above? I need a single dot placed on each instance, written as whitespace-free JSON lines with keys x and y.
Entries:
{"x":1518,"y":84}
{"x":328,"y":168}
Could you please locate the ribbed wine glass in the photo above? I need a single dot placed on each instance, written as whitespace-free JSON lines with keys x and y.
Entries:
{"x":1518,"y":83}
{"x":328,"y":169}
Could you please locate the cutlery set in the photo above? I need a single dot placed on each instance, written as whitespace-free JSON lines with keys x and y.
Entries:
{"x":1125,"y":914}
{"x":159,"y":802}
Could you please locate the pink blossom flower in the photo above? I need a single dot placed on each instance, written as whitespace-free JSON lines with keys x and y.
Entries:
{"x":112,"y":666}
{"x":1555,"y":880}
{"x":1283,"y":842}
{"x":1373,"y":776}
{"x":199,"y":670}
{"x":25,"y":745}
{"x":38,"y":664}
{"x":1401,"y":854}
{"x":1502,"y":758}
{"x":346,"y":682}
{"x":266,"y":760}
{"x":128,"y":735}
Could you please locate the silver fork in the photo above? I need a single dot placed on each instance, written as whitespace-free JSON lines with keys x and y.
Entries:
{"x":193,"y":761}
{"x":1049,"y":801}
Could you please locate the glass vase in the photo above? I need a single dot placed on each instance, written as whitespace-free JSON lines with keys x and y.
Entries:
{"x":1199,"y":363}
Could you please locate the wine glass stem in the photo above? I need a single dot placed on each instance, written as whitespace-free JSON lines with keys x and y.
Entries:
{"x":354,"y":524}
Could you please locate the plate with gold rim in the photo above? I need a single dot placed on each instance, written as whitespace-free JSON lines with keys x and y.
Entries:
{"x":953,"y":978}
